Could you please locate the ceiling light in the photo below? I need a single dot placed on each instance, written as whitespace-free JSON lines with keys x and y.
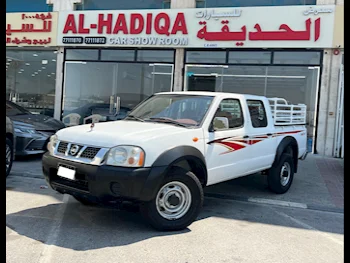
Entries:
{"x":55,"y":52}
{"x":7,"y":63}
{"x":53,"y":73}
{"x":21,"y":69}
{"x":27,"y":64}
{"x":44,"y":62}
{"x":9,"y":59}
{"x":54,"y":60}
{"x":35,"y":55}
{"x":39,"y":70}
{"x":19,"y":72}
{"x":43,"y":67}
{"x":49,"y":75}
{"x":33,"y":75}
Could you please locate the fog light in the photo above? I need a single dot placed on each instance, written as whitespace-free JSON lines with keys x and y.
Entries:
{"x":116,"y":188}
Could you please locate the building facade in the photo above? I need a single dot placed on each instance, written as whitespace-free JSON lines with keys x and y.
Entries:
{"x":110,"y":53}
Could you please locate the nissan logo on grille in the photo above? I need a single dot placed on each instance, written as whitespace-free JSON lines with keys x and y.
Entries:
{"x":74,"y":150}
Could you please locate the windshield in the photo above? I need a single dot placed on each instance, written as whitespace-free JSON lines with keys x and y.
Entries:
{"x":13,"y":109}
{"x":185,"y":110}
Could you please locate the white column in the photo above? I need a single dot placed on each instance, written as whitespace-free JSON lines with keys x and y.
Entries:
{"x":63,"y":5}
{"x":180,"y":52}
{"x":60,"y":5}
{"x":328,"y":102}
{"x":59,"y":83}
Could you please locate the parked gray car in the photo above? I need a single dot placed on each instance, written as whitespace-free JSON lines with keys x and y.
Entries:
{"x":10,"y":142}
{"x":32,"y":131}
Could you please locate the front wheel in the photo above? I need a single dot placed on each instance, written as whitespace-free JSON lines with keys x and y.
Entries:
{"x":280,"y":176}
{"x":9,"y":156}
{"x":177,"y":203}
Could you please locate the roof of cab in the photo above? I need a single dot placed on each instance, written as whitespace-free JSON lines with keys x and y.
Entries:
{"x":214,"y":94}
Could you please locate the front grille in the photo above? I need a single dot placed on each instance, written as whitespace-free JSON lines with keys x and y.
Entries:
{"x":37,"y":145}
{"x":62,"y":147}
{"x":90,"y":152}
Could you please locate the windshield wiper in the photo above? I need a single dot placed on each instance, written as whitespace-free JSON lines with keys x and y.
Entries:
{"x":134,"y":118}
{"x":166,"y":120}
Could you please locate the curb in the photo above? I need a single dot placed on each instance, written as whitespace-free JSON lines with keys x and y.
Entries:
{"x":277,"y":203}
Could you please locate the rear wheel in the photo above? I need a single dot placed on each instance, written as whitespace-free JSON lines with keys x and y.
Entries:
{"x":9,"y":156}
{"x":177,"y":203}
{"x":280,"y":176}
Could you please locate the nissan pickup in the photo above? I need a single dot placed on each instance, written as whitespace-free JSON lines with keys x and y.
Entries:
{"x":174,"y":144}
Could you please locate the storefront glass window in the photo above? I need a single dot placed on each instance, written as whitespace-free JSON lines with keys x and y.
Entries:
{"x":30,"y":79}
{"x":95,"y":88}
{"x":246,"y":57}
{"x":118,"y":55}
{"x":82,"y":54}
{"x":155,"y":55}
{"x":123,"y":4}
{"x":297,"y":58}
{"x":206,"y":57}
{"x":27,"y":6}
{"x":243,"y":3}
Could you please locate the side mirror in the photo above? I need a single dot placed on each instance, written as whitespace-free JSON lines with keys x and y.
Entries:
{"x":220,"y":123}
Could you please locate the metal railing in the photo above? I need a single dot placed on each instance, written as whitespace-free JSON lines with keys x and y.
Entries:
{"x":287,"y":114}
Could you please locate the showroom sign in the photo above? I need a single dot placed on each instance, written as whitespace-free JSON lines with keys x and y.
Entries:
{"x":264,"y":27}
{"x":31,"y":29}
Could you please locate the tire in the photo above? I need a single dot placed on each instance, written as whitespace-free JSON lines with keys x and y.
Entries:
{"x":9,"y":156}
{"x":277,"y":182}
{"x":179,"y":185}
{"x":84,"y":201}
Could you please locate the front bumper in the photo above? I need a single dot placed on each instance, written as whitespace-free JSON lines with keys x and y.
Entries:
{"x":27,"y":144}
{"x":104,"y":183}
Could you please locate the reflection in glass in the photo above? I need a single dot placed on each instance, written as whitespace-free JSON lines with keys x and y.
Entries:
{"x":187,"y":110}
{"x":297,"y":58}
{"x":81,"y":54}
{"x":206,"y":57}
{"x":95,"y":87}
{"x":30,"y":79}
{"x":118,"y":54}
{"x":156,"y":55}
{"x":248,"y":57}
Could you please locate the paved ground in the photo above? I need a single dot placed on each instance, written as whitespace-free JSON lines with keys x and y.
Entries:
{"x":318,"y":184}
{"x":242,"y":223}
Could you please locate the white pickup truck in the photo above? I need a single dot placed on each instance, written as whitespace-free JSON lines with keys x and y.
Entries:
{"x":174,"y":144}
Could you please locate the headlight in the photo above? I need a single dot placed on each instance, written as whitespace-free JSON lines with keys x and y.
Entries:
{"x":52,"y":144}
{"x":127,"y":156}
{"x":25,"y":130}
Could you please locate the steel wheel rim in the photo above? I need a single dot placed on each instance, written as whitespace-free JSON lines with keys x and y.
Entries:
{"x":8,"y":157}
{"x":285,"y":174}
{"x":175,"y":191}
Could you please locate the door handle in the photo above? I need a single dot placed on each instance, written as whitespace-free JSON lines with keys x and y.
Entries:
{"x":245,"y":137}
{"x":269,"y":134}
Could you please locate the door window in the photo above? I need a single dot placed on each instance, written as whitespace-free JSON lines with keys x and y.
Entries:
{"x":231,"y":110}
{"x":257,"y":113}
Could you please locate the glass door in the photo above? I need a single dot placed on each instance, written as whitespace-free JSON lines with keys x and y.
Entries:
{"x":107,"y":91}
{"x":204,"y":77}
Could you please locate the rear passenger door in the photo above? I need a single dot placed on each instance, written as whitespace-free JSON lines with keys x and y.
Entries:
{"x":260,"y":135}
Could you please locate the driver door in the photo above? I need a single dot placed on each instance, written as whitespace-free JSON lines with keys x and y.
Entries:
{"x":226,"y":151}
